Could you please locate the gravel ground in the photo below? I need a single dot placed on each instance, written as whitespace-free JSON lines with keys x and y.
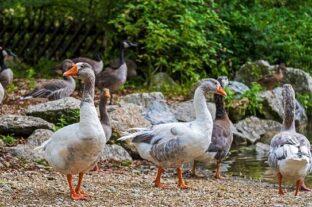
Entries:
{"x":132,"y":186}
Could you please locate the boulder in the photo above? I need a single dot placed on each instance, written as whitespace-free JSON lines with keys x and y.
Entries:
{"x":237,"y":87}
{"x":26,"y":151}
{"x":52,"y":111}
{"x":237,"y":109}
{"x":273,"y":108}
{"x":253,"y":71}
{"x":162,"y":80}
{"x":154,"y":104}
{"x":115,"y":153}
{"x":22,"y":125}
{"x":184,"y":111}
{"x":252,"y":129}
{"x":262,"y":149}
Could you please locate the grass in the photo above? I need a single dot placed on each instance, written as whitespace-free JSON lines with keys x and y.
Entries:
{"x":8,"y":139}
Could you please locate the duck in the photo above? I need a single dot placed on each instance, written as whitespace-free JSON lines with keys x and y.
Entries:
{"x":270,"y":81}
{"x":6,"y":74}
{"x":222,"y":135}
{"x":76,"y":148}
{"x":104,"y":117}
{"x":289,"y":153}
{"x":56,"y":88}
{"x":97,"y":64}
{"x":112,"y":78}
{"x":172,"y":144}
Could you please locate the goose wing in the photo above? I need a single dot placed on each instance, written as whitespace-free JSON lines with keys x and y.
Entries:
{"x":106,"y":78}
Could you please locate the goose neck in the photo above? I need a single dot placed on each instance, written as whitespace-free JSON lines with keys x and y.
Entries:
{"x":220,"y":108}
{"x":200,"y":105}
{"x":289,"y":112}
{"x":122,"y":56}
{"x":88,"y":90}
{"x":103,"y":111}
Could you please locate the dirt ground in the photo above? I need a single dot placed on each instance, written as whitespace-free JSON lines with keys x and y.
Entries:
{"x":132,"y":185}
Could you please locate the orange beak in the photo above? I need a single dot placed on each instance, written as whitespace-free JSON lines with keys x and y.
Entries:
{"x":73,"y":71}
{"x":221,"y":91}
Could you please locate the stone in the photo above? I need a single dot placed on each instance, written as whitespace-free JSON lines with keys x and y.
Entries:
{"x":262,"y":149}
{"x":237,"y":109}
{"x":38,"y":137}
{"x":238,"y":87}
{"x":154,"y":104}
{"x":115,"y":153}
{"x":274,"y":109}
{"x":253,"y":71}
{"x":2,"y":144}
{"x":184,"y":111}
{"x":252,"y":128}
{"x":162,"y":80}
{"x":22,"y":125}
{"x":52,"y":111}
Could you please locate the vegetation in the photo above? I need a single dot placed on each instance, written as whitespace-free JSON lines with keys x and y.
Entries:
{"x":8,"y":139}
{"x":69,"y":118}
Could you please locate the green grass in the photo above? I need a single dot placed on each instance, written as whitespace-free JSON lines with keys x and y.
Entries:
{"x":8,"y":139}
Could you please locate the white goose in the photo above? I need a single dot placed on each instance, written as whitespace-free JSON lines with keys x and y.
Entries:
{"x":172,"y":144}
{"x":290,"y":152}
{"x":75,"y":149}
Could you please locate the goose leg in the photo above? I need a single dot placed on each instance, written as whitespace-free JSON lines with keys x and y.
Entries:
{"x":73,"y":193}
{"x":298,"y":185}
{"x":193,"y":172}
{"x":157,"y":182}
{"x":304,"y":187}
{"x":280,"y":178}
{"x":78,"y":190}
{"x":181,"y":182}
{"x":111,"y":99}
{"x":218,"y":173}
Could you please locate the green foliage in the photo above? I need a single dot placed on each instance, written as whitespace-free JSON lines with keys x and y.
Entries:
{"x":8,"y":139}
{"x":178,"y":37}
{"x":255,"y":102}
{"x":70,"y":118}
{"x":306,"y":101}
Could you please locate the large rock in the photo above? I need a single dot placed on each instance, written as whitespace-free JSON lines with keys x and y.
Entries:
{"x":154,"y":104}
{"x":238,"y":87}
{"x":26,"y":151}
{"x":253,"y":71}
{"x":162,"y":80}
{"x":115,"y":153}
{"x":52,"y":111}
{"x":274,"y":109}
{"x":252,"y":129}
{"x":184,"y":111}
{"x":22,"y":125}
{"x":127,"y":116}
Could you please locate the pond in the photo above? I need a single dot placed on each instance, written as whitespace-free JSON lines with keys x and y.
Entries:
{"x":246,"y":162}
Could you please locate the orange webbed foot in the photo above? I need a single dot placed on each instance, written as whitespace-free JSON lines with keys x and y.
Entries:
{"x":183,"y":186}
{"x":77,"y":197}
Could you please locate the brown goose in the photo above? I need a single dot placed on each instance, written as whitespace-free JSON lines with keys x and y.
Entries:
{"x":113,"y":78}
{"x":222,"y":136}
{"x":270,"y":81}
{"x":6,"y":74}
{"x":56,"y":88}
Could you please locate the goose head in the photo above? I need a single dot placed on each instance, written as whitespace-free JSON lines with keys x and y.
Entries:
{"x":127,"y":44}
{"x":81,"y":69}
{"x":211,"y":85}
{"x":67,"y":63}
{"x":223,"y":80}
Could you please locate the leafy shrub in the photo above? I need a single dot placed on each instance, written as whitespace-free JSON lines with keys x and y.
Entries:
{"x":8,"y":139}
{"x":69,"y":118}
{"x":306,"y":101}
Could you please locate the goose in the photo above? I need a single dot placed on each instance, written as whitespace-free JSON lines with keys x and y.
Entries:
{"x":290,"y":152}
{"x":222,"y":135}
{"x":6,"y":74}
{"x":172,"y":144}
{"x":56,"y":88}
{"x":1,"y":94}
{"x":113,"y":78}
{"x":76,"y":148}
{"x":104,"y":117}
{"x":96,"y":64}
{"x":269,"y":81}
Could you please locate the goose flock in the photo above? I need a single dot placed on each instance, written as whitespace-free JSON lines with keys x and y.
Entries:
{"x":76,"y":148}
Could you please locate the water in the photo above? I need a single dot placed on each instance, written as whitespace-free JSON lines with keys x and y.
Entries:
{"x":246,"y":162}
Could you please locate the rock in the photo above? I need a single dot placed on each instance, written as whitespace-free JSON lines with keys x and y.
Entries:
{"x":253,"y":71}
{"x":22,"y":125}
{"x":184,"y":111}
{"x":115,"y":153}
{"x":127,"y":116}
{"x":162,"y":80}
{"x":2,"y":144}
{"x":38,"y":137}
{"x":274,"y":109}
{"x":154,"y":104}
{"x":237,"y":87}
{"x":237,"y":109}
{"x":262,"y":149}
{"x":252,"y":128}
{"x":26,"y":151}
{"x":52,"y":111}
